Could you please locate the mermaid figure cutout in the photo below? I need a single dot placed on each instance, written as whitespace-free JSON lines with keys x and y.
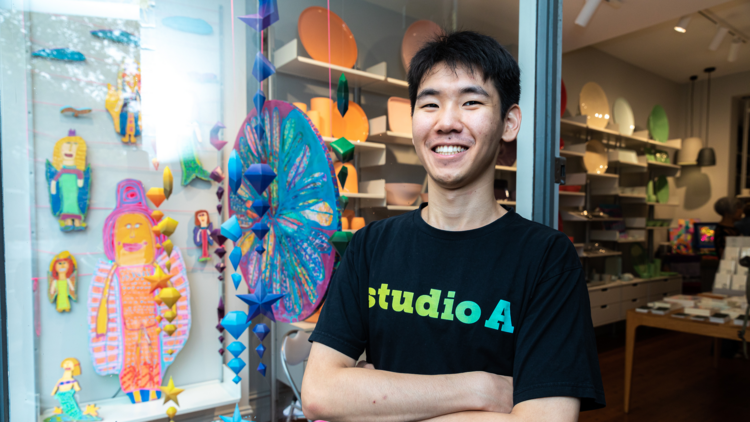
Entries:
{"x":125,"y":335}
{"x":62,"y":281}
{"x":69,"y":182}
{"x":202,"y":234}
{"x":65,"y":391}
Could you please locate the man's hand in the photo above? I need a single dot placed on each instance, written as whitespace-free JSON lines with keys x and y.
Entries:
{"x":334,"y":388}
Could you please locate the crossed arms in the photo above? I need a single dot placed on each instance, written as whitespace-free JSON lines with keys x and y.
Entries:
{"x":335,"y":389}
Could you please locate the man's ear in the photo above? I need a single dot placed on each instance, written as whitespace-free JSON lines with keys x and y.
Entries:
{"x":512,"y":123}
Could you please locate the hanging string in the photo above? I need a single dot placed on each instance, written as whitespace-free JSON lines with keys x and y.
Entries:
{"x":328,"y":6}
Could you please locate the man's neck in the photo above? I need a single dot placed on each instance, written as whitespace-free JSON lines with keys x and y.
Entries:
{"x":470,"y":207}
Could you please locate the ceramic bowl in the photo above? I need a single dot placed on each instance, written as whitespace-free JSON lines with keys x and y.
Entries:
{"x":312,"y":27}
{"x":418,"y":33}
{"x":402,"y":193}
{"x":399,"y":115}
{"x":424,"y":197}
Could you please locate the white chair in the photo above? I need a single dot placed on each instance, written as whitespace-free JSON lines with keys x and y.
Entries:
{"x":295,"y":349}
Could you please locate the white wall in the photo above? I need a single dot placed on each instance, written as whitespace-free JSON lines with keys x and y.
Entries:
{"x":699,"y":188}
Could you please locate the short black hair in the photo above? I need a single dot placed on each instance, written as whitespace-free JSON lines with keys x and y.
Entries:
{"x":474,"y":51}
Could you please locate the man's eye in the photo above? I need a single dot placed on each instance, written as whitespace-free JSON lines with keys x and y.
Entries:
{"x":430,"y":105}
{"x":471,"y":103}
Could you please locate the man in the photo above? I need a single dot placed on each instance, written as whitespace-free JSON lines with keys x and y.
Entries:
{"x":466,"y":310}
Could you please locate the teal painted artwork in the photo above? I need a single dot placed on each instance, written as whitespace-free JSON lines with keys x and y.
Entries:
{"x":64,"y":54}
{"x":117,"y":35}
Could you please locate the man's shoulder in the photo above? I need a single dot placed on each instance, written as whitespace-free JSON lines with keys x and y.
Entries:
{"x":539,"y":234}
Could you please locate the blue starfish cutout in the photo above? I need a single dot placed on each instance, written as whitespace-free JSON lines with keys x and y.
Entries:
{"x":260,"y":302}
{"x":236,"y":417}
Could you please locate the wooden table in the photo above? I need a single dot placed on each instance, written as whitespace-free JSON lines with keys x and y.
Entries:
{"x":635,"y":319}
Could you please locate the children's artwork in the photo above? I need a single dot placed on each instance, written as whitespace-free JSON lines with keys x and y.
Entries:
{"x":117,"y":35}
{"x":75,"y":112}
{"x":682,"y":236}
{"x":124,"y":101}
{"x":62,"y":281}
{"x":191,"y":164}
{"x":125,"y":335}
{"x":69,"y":182}
{"x":64,"y":54}
{"x":202,"y":233}
{"x":302,"y":216}
{"x":65,"y":391}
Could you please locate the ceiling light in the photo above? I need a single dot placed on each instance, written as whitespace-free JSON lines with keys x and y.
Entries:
{"x":587,"y":12}
{"x":721,"y":32}
{"x":682,"y":24}
{"x":734,"y":50}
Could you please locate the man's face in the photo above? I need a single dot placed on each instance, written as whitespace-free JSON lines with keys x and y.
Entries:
{"x":456,"y":125}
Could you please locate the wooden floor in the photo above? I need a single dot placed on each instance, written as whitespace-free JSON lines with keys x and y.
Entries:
{"x":673,"y":379}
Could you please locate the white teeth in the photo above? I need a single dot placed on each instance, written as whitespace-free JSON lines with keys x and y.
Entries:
{"x":449,"y":149}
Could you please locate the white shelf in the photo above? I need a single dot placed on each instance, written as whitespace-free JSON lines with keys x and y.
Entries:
{"x":288,"y":60}
{"x":569,"y":193}
{"x":602,"y":176}
{"x":371,"y":194}
{"x":363,"y":195}
{"x":506,"y":202}
{"x":600,"y":255}
{"x":567,"y":153}
{"x":663,"y":165}
{"x":370,"y":153}
{"x":196,"y":397}
{"x":627,"y":164}
{"x":505,"y":168}
{"x":379,"y":133}
{"x":672,"y":144}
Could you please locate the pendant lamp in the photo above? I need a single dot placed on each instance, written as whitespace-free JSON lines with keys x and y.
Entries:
{"x":688,"y":155}
{"x":707,"y":156}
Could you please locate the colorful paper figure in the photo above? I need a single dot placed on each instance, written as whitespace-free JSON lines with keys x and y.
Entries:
{"x":303,"y":210}
{"x":125,"y":336}
{"x":62,"y":281}
{"x":124,"y":101}
{"x":64,"y":54}
{"x":202,"y":233}
{"x":117,"y":35}
{"x":75,"y":112}
{"x":69,"y":182}
{"x":65,"y":391}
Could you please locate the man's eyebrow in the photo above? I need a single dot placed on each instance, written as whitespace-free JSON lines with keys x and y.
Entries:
{"x":428,"y":92}
{"x":475,"y":89}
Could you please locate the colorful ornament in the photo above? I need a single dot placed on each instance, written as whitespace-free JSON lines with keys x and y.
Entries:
{"x":69,"y":182}
{"x":171,"y":392}
{"x":62,"y":281}
{"x":215,"y":141}
{"x":260,"y":303}
{"x":202,"y":234}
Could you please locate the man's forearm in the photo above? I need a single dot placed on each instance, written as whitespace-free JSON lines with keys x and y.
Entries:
{"x":548,"y":409}
{"x":356,"y":394}
{"x":475,"y":416}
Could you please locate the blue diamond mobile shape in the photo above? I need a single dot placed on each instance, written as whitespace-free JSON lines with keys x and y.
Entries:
{"x":267,"y":15}
{"x":260,"y":132}
{"x":261,"y":331}
{"x":259,"y":99}
{"x":260,"y":249}
{"x":236,"y":365}
{"x":236,"y":323}
{"x":235,"y":348}
{"x":261,"y":207}
{"x":262,"y":68}
{"x":260,"y":350}
{"x":235,"y":257}
{"x":259,"y":176}
{"x":231,"y":229}
{"x":234,"y":170}
{"x":236,"y":416}
{"x":262,"y":369}
{"x":260,"y":230}
{"x":236,"y":279}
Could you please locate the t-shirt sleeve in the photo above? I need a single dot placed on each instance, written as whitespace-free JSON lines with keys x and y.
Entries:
{"x":341,"y":325}
{"x":555,"y":353}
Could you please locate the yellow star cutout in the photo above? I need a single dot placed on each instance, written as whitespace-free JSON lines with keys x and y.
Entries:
{"x":171,"y":392}
{"x":159,"y":280}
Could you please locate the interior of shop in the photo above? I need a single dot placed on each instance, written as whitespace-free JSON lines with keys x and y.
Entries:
{"x":172,"y":122}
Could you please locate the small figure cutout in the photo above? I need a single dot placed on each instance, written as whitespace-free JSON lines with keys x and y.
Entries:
{"x":62,"y":281}
{"x":202,"y":233}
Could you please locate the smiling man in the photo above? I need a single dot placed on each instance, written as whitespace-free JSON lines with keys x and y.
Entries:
{"x":466,"y":310}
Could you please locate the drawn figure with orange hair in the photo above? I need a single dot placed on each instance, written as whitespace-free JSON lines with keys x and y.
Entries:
{"x":125,"y":336}
{"x":124,"y":101}
{"x":69,"y":182}
{"x":65,"y":391}
{"x":62,"y":281}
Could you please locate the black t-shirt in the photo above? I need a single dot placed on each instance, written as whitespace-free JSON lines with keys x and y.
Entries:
{"x":508,"y":298}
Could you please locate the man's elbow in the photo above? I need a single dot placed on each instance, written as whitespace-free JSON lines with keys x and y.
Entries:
{"x":313,"y":400}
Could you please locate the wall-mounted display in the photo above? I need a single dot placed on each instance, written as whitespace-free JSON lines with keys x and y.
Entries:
{"x":313,"y":33}
{"x":594,"y":104}
{"x":62,"y":281}
{"x":69,"y":182}
{"x":125,"y":336}
{"x":299,"y":260}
